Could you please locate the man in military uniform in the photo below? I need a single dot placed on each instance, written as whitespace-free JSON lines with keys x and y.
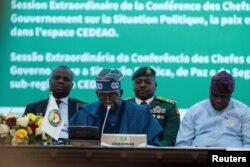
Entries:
{"x":164,"y":110}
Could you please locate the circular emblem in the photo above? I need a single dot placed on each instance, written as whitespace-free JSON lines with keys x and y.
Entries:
{"x":99,"y":86}
{"x":115,"y":85}
{"x":148,"y":71}
{"x":123,"y":138}
{"x":55,"y":118}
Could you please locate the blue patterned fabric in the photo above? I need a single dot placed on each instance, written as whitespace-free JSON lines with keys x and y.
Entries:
{"x":135,"y":120}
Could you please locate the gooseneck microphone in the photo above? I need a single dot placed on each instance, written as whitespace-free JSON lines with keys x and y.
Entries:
{"x":106,"y":116}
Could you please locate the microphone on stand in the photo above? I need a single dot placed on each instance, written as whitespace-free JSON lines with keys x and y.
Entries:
{"x":106,"y":116}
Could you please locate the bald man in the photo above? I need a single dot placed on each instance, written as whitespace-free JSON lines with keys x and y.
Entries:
{"x":219,"y":121}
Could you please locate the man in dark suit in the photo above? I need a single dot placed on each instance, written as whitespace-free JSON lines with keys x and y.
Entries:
{"x":61,"y":83}
{"x":164,"y":110}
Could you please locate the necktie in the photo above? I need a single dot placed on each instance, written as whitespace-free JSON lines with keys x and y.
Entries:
{"x":58,"y":102}
{"x":143,"y":103}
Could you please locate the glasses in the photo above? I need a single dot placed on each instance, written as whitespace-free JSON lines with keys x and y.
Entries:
{"x":111,"y":96}
{"x":147,"y":81}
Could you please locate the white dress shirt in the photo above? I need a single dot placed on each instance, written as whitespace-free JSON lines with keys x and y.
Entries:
{"x":63,"y":107}
{"x":148,"y":101}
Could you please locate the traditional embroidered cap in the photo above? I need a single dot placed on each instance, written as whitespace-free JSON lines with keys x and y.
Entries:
{"x":223,"y":82}
{"x":144,"y":72}
{"x":109,"y":80}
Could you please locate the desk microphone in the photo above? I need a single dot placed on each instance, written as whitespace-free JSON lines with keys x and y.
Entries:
{"x":106,"y":116}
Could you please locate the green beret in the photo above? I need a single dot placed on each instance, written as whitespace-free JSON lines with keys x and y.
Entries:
{"x":144,"y":72}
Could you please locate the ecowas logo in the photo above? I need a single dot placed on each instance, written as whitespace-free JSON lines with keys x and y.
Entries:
{"x":55,"y":118}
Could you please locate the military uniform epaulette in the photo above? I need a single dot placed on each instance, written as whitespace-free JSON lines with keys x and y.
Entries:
{"x":166,"y":100}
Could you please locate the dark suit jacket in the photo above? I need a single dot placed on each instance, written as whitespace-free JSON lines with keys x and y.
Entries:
{"x":40,"y":107}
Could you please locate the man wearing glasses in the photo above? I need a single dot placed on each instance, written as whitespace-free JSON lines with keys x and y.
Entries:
{"x":219,"y":121}
{"x":124,"y":117}
{"x":164,"y":110}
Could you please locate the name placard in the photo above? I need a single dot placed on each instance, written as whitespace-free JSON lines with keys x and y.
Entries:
{"x":124,"y":140}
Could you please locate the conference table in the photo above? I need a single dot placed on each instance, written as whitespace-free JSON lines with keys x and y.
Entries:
{"x":92,"y":156}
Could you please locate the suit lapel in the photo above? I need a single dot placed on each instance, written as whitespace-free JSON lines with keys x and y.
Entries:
{"x":153,"y":103}
{"x":43,"y":106}
{"x":71,"y":108}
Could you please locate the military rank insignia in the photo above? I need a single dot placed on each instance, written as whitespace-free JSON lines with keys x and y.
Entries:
{"x":177,"y":111}
{"x":148,"y":71}
{"x":158,"y":112}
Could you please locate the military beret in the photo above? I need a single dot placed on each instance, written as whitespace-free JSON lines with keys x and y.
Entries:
{"x":144,"y":72}
{"x":108,"y":80}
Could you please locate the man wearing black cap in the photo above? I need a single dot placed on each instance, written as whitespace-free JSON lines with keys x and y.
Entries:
{"x":164,"y":110}
{"x":124,"y":117}
{"x":219,"y":121}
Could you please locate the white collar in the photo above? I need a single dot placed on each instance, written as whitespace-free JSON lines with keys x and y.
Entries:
{"x":64,"y":100}
{"x":148,"y":101}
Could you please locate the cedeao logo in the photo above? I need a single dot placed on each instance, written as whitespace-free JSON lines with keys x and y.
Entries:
{"x":55,"y":118}
{"x":123,"y":138}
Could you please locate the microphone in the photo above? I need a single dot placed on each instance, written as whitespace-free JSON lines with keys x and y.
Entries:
{"x":106,"y":116}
